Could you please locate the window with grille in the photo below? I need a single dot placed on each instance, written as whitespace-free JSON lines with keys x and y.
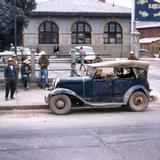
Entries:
{"x":113,"y":33}
{"x":81,"y":33}
{"x":48,"y":33}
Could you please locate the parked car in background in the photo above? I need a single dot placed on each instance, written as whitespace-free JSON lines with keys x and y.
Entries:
{"x":143,"y":52}
{"x":108,"y":83}
{"x":21,"y":51}
{"x":90,"y":54}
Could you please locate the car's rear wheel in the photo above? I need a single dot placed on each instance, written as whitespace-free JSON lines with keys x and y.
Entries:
{"x":60,"y":104}
{"x":138,"y":101}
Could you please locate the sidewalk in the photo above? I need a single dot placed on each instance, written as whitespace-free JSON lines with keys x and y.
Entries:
{"x":24,"y":99}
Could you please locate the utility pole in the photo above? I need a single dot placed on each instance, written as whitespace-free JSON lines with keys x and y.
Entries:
{"x":134,"y":33}
{"x":15,"y":29}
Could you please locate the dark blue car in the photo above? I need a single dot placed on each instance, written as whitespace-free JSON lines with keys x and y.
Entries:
{"x":106,"y":84}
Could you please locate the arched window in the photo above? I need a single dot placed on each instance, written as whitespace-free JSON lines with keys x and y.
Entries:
{"x":113,"y":33}
{"x":48,"y":33}
{"x":81,"y":33}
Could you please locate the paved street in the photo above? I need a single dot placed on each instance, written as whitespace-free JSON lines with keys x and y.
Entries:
{"x":105,"y":134}
{"x":84,"y":134}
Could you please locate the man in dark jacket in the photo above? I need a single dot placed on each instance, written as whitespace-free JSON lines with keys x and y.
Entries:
{"x":10,"y":76}
{"x":25,"y":72}
{"x":43,"y":74}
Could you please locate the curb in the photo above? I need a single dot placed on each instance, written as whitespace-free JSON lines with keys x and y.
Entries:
{"x":24,"y":107}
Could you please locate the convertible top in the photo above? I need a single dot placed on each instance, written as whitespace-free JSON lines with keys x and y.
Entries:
{"x":121,"y":63}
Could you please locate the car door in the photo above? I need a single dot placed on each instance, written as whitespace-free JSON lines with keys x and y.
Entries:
{"x":120,"y":86}
{"x":101,"y":90}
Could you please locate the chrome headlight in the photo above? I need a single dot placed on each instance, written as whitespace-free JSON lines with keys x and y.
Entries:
{"x":55,"y":82}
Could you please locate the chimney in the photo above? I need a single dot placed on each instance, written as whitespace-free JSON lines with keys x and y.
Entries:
{"x":104,"y":1}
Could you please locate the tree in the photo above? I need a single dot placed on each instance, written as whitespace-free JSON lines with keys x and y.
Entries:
{"x":11,"y":9}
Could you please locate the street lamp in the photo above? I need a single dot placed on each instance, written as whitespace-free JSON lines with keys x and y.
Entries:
{"x":15,"y":29}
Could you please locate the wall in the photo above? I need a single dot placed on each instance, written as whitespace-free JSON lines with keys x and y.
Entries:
{"x":149,"y":32}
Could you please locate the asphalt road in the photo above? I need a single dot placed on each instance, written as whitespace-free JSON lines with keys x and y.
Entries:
{"x":85,"y":134}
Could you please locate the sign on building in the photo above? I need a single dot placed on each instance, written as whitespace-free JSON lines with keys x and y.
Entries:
{"x":147,"y":10}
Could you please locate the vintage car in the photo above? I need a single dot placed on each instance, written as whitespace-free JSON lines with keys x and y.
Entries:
{"x":106,"y":84}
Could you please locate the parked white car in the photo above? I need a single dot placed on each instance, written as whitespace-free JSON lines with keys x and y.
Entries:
{"x":90,"y":54}
{"x":21,"y":51}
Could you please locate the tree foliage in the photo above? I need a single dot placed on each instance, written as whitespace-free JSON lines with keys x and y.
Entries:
{"x":9,"y":9}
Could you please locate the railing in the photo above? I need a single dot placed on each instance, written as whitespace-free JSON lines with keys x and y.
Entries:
{"x":63,"y":57}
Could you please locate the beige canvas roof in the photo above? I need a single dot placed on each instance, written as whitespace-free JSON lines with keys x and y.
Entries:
{"x":121,"y":63}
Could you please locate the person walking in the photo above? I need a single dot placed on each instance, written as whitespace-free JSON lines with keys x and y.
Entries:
{"x":10,"y":76}
{"x":25,"y":72}
{"x":43,"y":74}
{"x":82,"y":55}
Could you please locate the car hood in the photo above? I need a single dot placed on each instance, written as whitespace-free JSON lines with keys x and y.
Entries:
{"x":74,"y":79}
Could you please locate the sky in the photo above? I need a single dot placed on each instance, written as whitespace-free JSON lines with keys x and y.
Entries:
{"x":125,"y":3}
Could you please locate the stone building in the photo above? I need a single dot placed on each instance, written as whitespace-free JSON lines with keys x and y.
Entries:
{"x":70,"y":23}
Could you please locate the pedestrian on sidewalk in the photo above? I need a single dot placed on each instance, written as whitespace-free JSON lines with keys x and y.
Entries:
{"x":43,"y":73}
{"x":16,"y":65}
{"x":25,"y":72}
{"x":82,"y":55}
{"x":10,"y":76}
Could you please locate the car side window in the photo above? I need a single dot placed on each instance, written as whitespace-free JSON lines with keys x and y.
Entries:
{"x":124,"y":72}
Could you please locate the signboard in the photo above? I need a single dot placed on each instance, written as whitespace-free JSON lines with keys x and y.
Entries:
{"x":147,"y":10}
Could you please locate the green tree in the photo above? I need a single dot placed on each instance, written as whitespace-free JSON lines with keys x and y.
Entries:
{"x":11,"y":9}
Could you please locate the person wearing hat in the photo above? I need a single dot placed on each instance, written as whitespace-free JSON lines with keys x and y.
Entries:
{"x":43,"y":73}
{"x":25,"y":72}
{"x":16,"y":65}
{"x":10,"y":76}
{"x":132,"y":56}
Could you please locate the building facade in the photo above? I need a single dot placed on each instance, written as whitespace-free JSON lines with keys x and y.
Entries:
{"x":103,"y":26}
{"x":149,"y":36}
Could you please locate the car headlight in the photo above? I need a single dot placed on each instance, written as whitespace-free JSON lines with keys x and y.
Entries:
{"x":55,"y":82}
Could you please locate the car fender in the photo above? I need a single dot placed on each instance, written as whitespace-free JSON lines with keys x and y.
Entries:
{"x":68,"y":92}
{"x":129,"y":92}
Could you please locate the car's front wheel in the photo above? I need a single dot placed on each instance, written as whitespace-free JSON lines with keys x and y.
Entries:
{"x":60,"y":104}
{"x":138,"y":101}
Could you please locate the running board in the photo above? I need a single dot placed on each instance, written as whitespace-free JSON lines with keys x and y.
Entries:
{"x":104,"y":104}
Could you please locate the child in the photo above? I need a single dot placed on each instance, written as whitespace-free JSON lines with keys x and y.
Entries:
{"x":73,"y":71}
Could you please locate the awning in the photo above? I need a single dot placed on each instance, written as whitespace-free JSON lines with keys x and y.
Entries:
{"x":149,"y":40}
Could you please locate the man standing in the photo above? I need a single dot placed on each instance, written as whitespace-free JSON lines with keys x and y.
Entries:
{"x":43,"y":74}
{"x":10,"y":76}
{"x":82,"y":55}
{"x":25,"y":72}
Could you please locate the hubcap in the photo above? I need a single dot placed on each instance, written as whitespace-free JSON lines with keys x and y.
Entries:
{"x":138,"y":100}
{"x":60,"y":104}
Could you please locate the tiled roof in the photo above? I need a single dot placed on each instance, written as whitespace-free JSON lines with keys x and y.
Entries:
{"x":80,"y":6}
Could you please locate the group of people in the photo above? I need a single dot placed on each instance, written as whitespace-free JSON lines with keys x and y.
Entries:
{"x":14,"y":67}
{"x":11,"y":73}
